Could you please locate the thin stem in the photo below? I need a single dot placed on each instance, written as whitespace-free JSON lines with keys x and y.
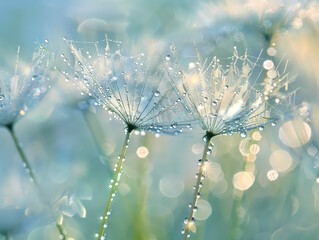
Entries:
{"x":61,"y":231}
{"x":24,"y":159}
{"x":5,"y":236}
{"x":202,"y":169}
{"x":114,"y":183}
{"x":31,"y":174}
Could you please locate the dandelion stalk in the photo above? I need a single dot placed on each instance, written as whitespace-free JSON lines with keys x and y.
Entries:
{"x":61,"y":231}
{"x":5,"y":236}
{"x":190,"y":221}
{"x":30,"y":172}
{"x":24,"y":159}
{"x":114,"y":184}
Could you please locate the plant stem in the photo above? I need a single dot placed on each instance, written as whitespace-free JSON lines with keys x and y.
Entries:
{"x":5,"y":236}
{"x":30,"y":172}
{"x":113,"y":186}
{"x":24,"y":159}
{"x":61,"y":231}
{"x":198,"y":185}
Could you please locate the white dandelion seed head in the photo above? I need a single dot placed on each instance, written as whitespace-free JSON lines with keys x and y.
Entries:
{"x":21,"y":90}
{"x":135,"y":88}
{"x":230,"y":95}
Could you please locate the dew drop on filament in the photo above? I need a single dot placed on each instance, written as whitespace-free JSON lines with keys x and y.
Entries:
{"x":157,"y":93}
{"x":268,"y":65}
{"x":243,"y":134}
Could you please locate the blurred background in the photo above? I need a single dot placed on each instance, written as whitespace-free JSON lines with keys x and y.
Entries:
{"x":262,"y":187}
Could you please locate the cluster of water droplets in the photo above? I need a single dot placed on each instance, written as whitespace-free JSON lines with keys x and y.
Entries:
{"x":233,"y":94}
{"x":113,"y":183}
{"x":21,"y":90}
{"x":136,"y":89}
{"x":189,"y":223}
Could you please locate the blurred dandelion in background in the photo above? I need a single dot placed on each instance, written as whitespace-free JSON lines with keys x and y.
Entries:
{"x":21,"y":91}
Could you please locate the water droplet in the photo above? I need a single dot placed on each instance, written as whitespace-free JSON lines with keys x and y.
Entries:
{"x":183,"y":231}
{"x":64,"y":38}
{"x":157,"y":93}
{"x":226,"y":87}
{"x":261,"y":128}
{"x":191,"y":65}
{"x":214,"y":103}
{"x":168,"y":57}
{"x":199,"y":162}
{"x":243,"y":134}
{"x":185,"y":221}
{"x":273,"y":124}
{"x":268,"y":65}
{"x":1,"y":97}
{"x":195,"y":209}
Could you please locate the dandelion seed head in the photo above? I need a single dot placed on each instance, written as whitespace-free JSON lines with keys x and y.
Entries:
{"x":135,"y":88}
{"x":21,"y":90}
{"x":231,"y":94}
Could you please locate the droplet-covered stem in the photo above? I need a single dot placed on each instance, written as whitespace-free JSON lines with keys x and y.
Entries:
{"x":31,"y":174}
{"x":200,"y":174}
{"x":24,"y":159}
{"x":114,"y":183}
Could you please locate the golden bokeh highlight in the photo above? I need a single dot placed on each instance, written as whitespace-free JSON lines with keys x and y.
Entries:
{"x":272,"y":175}
{"x":256,"y":136}
{"x":254,"y":149}
{"x":142,"y":152}
{"x":243,"y":180}
{"x":295,"y":133}
{"x":244,"y":146}
{"x":280,"y":160}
